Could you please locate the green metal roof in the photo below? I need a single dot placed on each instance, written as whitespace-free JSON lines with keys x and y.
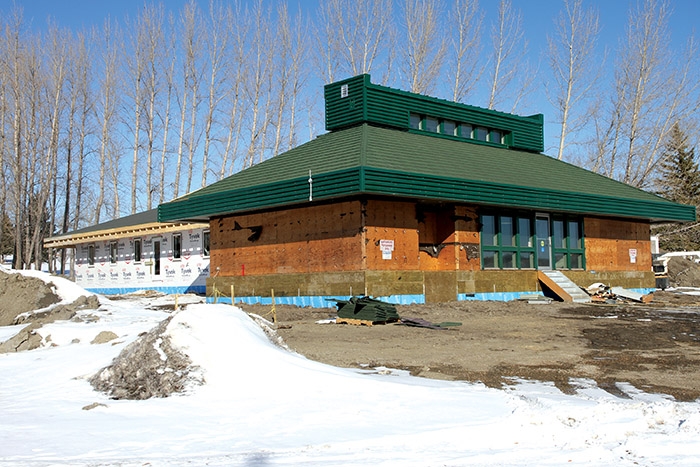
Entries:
{"x":367,"y":159}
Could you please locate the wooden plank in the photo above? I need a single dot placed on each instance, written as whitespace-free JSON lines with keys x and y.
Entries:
{"x":356,"y":322}
{"x":561,"y":293}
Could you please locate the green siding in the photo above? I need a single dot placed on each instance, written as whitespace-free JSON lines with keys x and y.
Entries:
{"x":371,"y":103}
{"x":371,"y":160}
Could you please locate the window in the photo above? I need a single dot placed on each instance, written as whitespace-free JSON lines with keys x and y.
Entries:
{"x":507,"y":231}
{"x":91,"y":255}
{"x":415,"y":121}
{"x":567,"y":240}
{"x":113,"y":252}
{"x":449,"y":127}
{"x":506,"y":242}
{"x":527,"y":258}
{"x":431,"y":124}
{"x":481,"y":133}
{"x":465,"y":130}
{"x":488,"y":231}
{"x":137,"y":250}
{"x":205,"y":243}
{"x":177,"y":246}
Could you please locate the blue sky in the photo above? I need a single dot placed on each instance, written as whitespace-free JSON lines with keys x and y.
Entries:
{"x":538,"y":17}
{"x":537,"y":14}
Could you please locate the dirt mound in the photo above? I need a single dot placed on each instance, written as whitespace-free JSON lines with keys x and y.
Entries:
{"x":19,"y":294}
{"x":148,"y":367}
{"x":683,"y":272}
{"x":29,"y":339}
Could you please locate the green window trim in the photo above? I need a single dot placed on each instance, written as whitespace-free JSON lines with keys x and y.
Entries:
{"x":568,"y":251}
{"x":513,"y":243}
{"x":508,"y":242}
{"x":452,"y":129}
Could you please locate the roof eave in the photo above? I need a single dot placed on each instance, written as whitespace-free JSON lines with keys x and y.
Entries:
{"x":364,"y":180}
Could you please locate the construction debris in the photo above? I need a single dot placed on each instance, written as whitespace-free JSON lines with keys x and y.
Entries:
{"x":365,"y":311}
{"x":421,"y":323}
{"x":601,"y":293}
{"x":535,"y":299}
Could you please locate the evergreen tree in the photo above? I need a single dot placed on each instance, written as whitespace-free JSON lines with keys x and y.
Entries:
{"x":679,"y":178}
{"x":679,"y":181}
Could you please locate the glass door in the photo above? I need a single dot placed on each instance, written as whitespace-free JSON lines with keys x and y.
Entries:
{"x":544,"y":242}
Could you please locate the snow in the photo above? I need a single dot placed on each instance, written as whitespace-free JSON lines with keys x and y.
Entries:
{"x":262,"y":405}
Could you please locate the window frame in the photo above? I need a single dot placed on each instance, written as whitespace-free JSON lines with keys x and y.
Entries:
{"x":91,"y":255}
{"x":177,"y":246}
{"x":566,"y":249}
{"x":113,"y":252}
{"x":478,"y":130}
{"x":206,"y":244}
{"x":138,"y":252}
{"x":517,"y":246}
{"x":419,"y":121}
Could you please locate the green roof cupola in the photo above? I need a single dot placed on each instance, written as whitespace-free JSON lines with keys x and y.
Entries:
{"x":356,"y":100}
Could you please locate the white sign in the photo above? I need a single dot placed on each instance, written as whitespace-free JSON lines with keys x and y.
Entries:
{"x":387,"y":246}
{"x":633,"y":255}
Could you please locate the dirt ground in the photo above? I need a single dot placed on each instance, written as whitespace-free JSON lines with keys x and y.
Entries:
{"x":655,"y":347}
{"x":19,"y":293}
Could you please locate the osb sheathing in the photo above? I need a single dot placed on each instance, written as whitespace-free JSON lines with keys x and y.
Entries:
{"x":311,"y":239}
{"x":617,"y":245}
{"x":346,"y":236}
{"x":336,"y":249}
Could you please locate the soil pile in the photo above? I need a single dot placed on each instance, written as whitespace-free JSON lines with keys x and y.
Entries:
{"x":29,"y":339}
{"x":683,"y":272}
{"x":148,"y":367}
{"x":19,"y":294}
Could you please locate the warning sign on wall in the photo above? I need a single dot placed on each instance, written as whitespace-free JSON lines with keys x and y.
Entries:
{"x":387,"y":246}
{"x":633,"y":255}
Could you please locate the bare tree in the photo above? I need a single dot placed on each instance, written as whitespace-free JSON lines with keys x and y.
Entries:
{"x":354,"y":36}
{"x":216,"y":43}
{"x":238,"y":28}
{"x":136,"y":66}
{"x":574,"y":66}
{"x":165,"y":114}
{"x":463,"y":62}
{"x":651,"y":92}
{"x":298,"y":74}
{"x":257,"y":84}
{"x":189,"y":98}
{"x":15,"y":177}
{"x":79,"y":110}
{"x":5,"y":79}
{"x":107,"y":116}
{"x":152,"y":49}
{"x":507,"y":63}
{"x":424,"y":55}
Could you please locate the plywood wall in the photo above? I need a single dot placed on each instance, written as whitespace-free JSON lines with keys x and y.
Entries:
{"x":467,"y":236}
{"x":391,"y":222}
{"x":617,"y":244}
{"x":301,"y":240}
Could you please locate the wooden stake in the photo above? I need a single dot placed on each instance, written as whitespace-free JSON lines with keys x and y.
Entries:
{"x":273,"y":311}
